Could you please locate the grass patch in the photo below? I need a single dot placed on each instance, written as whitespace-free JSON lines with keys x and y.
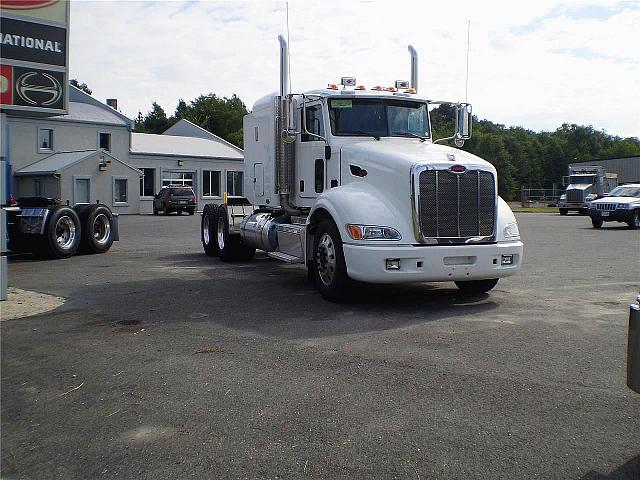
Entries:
{"x":536,"y":210}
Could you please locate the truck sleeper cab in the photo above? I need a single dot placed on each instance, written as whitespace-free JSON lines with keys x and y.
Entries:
{"x":349,"y":182}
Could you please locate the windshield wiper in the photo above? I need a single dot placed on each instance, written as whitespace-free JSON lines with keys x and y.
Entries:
{"x":409,"y":134}
{"x":358,"y":132}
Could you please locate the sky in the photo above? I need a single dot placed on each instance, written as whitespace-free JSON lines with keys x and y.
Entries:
{"x":534,"y":64}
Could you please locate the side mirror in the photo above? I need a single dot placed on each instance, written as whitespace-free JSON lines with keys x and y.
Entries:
{"x":463,"y":123}
{"x":327,"y":152}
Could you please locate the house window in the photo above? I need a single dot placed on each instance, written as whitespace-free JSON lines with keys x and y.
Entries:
{"x":184,"y":179}
{"x":119,"y":190}
{"x":104,"y":141}
{"x":45,"y":140}
{"x":148,"y":182}
{"x":234,"y":183}
{"x":210,"y":183}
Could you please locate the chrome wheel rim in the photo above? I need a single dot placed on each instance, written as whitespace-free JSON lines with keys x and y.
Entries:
{"x":65,"y":232}
{"x":205,"y":230}
{"x":220,"y":233}
{"x":101,"y":229}
{"x":326,"y":259}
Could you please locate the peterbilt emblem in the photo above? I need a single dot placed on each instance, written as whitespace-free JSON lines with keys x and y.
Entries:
{"x":458,"y":168}
{"x":39,"y":89}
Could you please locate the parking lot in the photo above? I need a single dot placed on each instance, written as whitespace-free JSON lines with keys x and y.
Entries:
{"x":164,"y":363}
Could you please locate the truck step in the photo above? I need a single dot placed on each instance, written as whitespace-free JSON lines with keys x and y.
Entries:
{"x":285,"y":257}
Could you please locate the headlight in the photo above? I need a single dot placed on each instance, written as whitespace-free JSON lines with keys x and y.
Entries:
{"x":563,"y":196}
{"x":624,"y":206}
{"x":591,"y":196}
{"x":371,"y":232}
{"x":511,"y":231}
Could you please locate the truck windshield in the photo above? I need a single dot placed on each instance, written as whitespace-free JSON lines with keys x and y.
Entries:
{"x":378,"y":117}
{"x":625,"y":192}
{"x":582,"y":179}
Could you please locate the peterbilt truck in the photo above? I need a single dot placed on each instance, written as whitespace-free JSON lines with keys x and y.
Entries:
{"x":585,"y":184}
{"x":348,"y":181}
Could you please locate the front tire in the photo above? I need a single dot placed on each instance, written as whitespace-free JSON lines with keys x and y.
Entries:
{"x":634,"y":223}
{"x":329,"y":268}
{"x":62,"y":234}
{"x":564,"y":211}
{"x":476,"y":287}
{"x":596,"y":222}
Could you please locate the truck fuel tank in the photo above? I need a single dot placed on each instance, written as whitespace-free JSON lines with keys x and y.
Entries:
{"x":259,"y":230}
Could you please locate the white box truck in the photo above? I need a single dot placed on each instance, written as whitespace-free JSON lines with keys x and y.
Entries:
{"x":348,"y":181}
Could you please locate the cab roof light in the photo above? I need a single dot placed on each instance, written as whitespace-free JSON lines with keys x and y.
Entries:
{"x":360,"y":87}
{"x":377,"y":88}
{"x":410,"y":90}
{"x":332,"y":86}
{"x":391,"y":89}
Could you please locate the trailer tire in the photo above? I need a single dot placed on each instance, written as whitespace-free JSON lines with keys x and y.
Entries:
{"x":97,"y":229}
{"x":597,"y":222}
{"x":62,"y":234}
{"x":564,"y":211}
{"x":328,"y":266}
{"x":231,"y":248}
{"x":476,"y":287}
{"x":207,"y":230}
{"x":634,"y":222}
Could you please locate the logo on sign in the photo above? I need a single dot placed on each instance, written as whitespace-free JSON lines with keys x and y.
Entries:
{"x":27,"y":4}
{"x":38,"y":88}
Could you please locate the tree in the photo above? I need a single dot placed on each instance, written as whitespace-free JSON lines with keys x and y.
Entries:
{"x":139,"y":124}
{"x":81,"y":86}
{"x":156,"y":120}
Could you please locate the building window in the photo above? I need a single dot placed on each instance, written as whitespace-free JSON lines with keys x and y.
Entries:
{"x":37,"y":188}
{"x":119,"y":190}
{"x":210,"y":183}
{"x":45,"y":140}
{"x":184,"y":179}
{"x":104,"y":141}
{"x":234,"y":183}
{"x":148,"y":182}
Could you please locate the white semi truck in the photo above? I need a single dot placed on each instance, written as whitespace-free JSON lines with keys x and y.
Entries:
{"x":348,"y":181}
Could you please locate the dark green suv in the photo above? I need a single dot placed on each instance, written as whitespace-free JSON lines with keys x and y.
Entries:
{"x":175,"y":199}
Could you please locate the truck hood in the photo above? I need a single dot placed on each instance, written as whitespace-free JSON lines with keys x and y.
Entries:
{"x":579,"y":186}
{"x":400,"y":154}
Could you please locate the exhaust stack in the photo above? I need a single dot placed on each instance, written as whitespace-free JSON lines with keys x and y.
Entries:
{"x":414,"y":68}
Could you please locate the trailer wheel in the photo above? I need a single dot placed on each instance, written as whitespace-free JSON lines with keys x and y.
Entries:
{"x":230,"y":246}
{"x":97,"y":229}
{"x":207,"y":230}
{"x":329,"y":267}
{"x":597,"y":222}
{"x":634,"y":223}
{"x":62,"y":234}
{"x":564,"y":211}
{"x":475,"y":287}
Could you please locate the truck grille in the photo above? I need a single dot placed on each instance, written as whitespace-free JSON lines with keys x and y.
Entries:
{"x":456,"y":205}
{"x":606,"y":207}
{"x":575,"y":195}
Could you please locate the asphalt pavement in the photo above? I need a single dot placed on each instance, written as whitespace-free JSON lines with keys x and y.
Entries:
{"x":164,"y":363}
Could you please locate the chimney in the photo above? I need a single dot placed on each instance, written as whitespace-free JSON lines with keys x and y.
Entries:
{"x":113,"y":103}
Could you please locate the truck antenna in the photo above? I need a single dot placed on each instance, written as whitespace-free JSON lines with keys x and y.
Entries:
{"x":466,"y":85}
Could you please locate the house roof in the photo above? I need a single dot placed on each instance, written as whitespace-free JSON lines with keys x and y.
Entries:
{"x":84,"y":108}
{"x":60,"y":161}
{"x":175,"y":145}
{"x":185,"y":128}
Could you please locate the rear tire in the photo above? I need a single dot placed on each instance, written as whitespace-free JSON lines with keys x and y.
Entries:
{"x":230,"y":246}
{"x":178,"y":212}
{"x":62,"y":234}
{"x":97,"y":229}
{"x":329,"y":268}
{"x":634,"y":223}
{"x":476,"y":287}
{"x":208,"y":230}
{"x":564,"y":211}
{"x":165,"y":210}
{"x":192,"y":211}
{"x":596,"y":222}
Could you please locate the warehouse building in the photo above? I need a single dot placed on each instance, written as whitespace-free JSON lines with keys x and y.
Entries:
{"x":628,"y":168}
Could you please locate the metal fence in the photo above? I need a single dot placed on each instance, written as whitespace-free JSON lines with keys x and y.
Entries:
{"x":540,"y":197}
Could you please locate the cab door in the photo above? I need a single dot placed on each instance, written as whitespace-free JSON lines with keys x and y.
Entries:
{"x":311,"y":166}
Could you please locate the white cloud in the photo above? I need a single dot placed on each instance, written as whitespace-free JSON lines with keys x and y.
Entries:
{"x":535,"y":67}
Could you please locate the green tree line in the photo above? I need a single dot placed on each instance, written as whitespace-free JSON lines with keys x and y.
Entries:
{"x":522,"y":157}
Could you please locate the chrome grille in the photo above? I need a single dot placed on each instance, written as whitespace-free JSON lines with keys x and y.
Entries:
{"x":575,"y":195}
{"x":456,"y":205}
{"x":606,"y":207}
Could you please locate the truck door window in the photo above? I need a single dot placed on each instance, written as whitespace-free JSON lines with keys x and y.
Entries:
{"x":314,"y":123}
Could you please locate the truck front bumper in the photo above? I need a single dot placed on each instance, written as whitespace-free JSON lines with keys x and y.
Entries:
{"x":432,"y":263}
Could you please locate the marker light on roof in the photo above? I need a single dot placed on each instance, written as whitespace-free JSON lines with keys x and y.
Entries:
{"x":410,"y":90}
{"x":377,"y":88}
{"x":360,"y":87}
{"x":391,"y":89}
{"x":332,"y":86}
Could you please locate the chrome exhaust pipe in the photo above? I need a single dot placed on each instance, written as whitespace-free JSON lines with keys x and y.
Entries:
{"x":414,"y":68}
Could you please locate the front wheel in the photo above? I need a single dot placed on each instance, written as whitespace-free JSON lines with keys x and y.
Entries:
{"x":596,"y":222}
{"x":634,"y":223}
{"x":329,"y":268}
{"x":475,"y":287}
{"x":564,"y":211}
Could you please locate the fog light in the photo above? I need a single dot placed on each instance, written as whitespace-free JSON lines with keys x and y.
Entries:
{"x":507,"y":260}
{"x":393,"y":263}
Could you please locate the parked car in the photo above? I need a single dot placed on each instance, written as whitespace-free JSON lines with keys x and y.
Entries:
{"x":174,"y":198}
{"x":621,"y":205}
